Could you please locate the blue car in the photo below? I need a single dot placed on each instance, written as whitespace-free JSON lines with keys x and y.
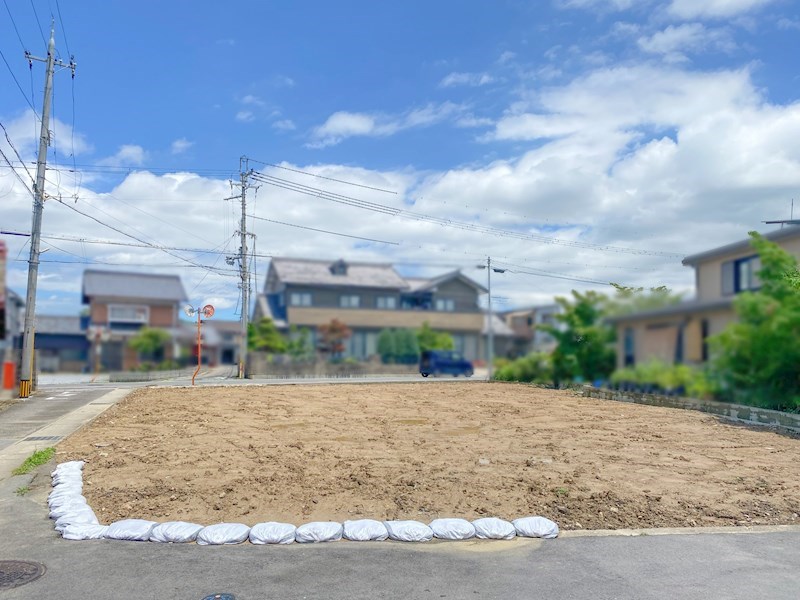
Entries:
{"x":444,"y":362}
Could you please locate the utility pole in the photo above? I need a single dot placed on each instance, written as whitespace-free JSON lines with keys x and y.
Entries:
{"x":26,"y":371}
{"x":490,"y":337}
{"x":243,"y":259}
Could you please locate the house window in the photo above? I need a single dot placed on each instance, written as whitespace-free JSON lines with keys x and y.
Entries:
{"x":120,"y":313}
{"x":386,"y":302}
{"x":630,"y":347}
{"x":741,"y":275}
{"x":350,"y":301}
{"x":445,"y":304}
{"x":300,"y":299}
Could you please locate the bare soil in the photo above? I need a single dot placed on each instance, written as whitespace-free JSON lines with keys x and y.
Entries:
{"x":427,"y":450}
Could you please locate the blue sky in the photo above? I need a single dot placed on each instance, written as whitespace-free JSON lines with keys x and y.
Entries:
{"x":620,"y":134}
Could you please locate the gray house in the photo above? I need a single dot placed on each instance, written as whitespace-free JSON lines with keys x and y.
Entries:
{"x":369,"y":297}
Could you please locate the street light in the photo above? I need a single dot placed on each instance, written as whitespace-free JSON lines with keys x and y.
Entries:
{"x":490,"y":345}
{"x":207,"y":311}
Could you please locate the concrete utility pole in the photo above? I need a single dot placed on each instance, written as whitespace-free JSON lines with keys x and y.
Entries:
{"x":243,"y":269}
{"x":490,"y":337}
{"x":26,"y":371}
{"x":243,"y":259}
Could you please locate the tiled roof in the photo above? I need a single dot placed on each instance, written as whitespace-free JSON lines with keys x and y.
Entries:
{"x":318,"y":272}
{"x":132,"y":286}
{"x":65,"y":325}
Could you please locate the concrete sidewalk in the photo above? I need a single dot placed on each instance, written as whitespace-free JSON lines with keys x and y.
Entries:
{"x":45,"y":418}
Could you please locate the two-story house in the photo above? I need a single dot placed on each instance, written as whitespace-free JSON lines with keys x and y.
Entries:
{"x":678,"y":333}
{"x":121,"y":303}
{"x":369,"y":297}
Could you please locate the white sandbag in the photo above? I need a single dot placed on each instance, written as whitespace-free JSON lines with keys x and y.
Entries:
{"x":319,"y":531}
{"x":272,"y":533}
{"x":83,"y":516}
{"x":62,"y":499}
{"x":132,"y":530}
{"x":408,"y":531}
{"x":175,"y":532}
{"x":84,"y":531}
{"x":72,"y":505}
{"x":492,"y":528}
{"x":65,"y":488}
{"x":68,"y":480}
{"x":72,"y":465}
{"x":452,"y":529}
{"x":364,"y":530}
{"x":223,"y":533}
{"x":536,"y":527}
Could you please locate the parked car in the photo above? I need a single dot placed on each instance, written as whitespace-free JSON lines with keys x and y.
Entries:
{"x":441,"y":362}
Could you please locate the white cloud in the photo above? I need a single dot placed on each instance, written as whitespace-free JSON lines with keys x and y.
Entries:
{"x":284,"y":125}
{"x":694,"y":9}
{"x":127,"y":155}
{"x":283,"y":81}
{"x":617,"y":99}
{"x":675,"y":41}
{"x":252,"y":100}
{"x":785,"y":23}
{"x":343,"y":124}
{"x":180,"y":146}
{"x":506,"y":57}
{"x":470,"y":79}
{"x":245,"y":116}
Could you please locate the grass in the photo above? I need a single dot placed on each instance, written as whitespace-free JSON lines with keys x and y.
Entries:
{"x":36,"y":459}
{"x":21,"y":491}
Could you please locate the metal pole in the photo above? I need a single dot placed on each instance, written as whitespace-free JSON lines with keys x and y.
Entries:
{"x":199,"y":351}
{"x":491,"y":327}
{"x":243,"y":271}
{"x":36,"y":228}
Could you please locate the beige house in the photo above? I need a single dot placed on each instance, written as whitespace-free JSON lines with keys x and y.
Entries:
{"x":369,"y":297}
{"x":678,"y":334}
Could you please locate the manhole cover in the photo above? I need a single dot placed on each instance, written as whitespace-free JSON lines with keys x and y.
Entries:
{"x":220,"y":597}
{"x":14,"y":573}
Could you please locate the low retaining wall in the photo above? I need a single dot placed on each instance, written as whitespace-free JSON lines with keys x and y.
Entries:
{"x":735,"y":412}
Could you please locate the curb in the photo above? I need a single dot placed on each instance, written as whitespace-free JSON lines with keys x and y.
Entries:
{"x":574,"y":533}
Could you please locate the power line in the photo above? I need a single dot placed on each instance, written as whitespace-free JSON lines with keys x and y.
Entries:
{"x":155,"y":247}
{"x":356,"y":237}
{"x":368,"y":187}
{"x":33,"y":6}
{"x":10,"y":143}
{"x":63,"y":29}
{"x":18,"y":176}
{"x":24,"y":95}
{"x":452,"y":223}
{"x":14,"y":23}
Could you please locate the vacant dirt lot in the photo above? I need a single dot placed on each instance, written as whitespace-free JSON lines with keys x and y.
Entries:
{"x":427,"y":450}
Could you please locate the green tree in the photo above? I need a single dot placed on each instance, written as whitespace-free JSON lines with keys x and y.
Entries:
{"x":150,"y":343}
{"x":757,"y":357}
{"x":263,"y":336}
{"x":429,"y":339}
{"x":406,"y":346}
{"x":628,"y":300}
{"x":387,"y":346}
{"x":299,"y":345}
{"x":584,"y":341}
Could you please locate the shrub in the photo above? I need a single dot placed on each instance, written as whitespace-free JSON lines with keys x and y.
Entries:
{"x":536,"y":367}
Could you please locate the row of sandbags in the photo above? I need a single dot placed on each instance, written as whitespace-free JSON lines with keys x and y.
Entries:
{"x":75,"y":520}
